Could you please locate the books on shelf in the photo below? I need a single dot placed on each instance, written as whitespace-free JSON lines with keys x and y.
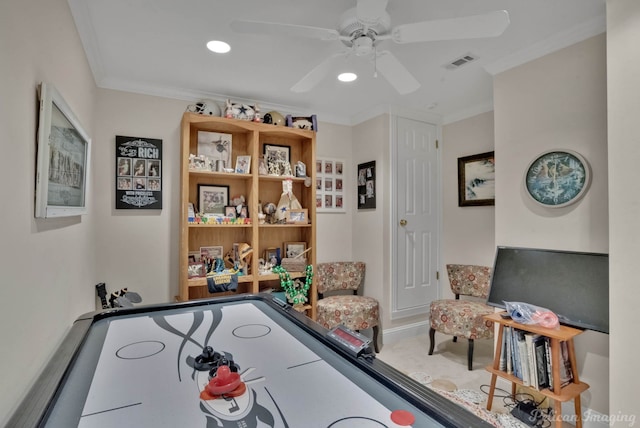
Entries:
{"x":527,"y":356}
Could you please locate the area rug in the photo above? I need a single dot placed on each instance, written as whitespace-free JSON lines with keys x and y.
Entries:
{"x":473,"y":401}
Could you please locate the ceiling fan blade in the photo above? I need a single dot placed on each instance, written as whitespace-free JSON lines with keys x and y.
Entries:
{"x":287,"y":30}
{"x":490,"y":24}
{"x":314,"y":77}
{"x":370,"y":11}
{"x":396,"y":73}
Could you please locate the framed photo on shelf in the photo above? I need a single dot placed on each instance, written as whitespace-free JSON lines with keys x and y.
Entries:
{"x":196,"y":270}
{"x":244,"y":212}
{"x":62,"y":163}
{"x":230,"y":211}
{"x":212,"y":199}
{"x":366,"y":185}
{"x":272,"y":255}
{"x":293,"y":249}
{"x":211,"y":253}
{"x":476,"y":180}
{"x":243,"y":164}
{"x":274,"y":152}
{"x":215,"y":146}
{"x":194,"y":256}
{"x":330,"y":188}
{"x":299,"y":216}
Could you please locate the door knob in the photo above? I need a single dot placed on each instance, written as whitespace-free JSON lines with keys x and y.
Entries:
{"x":403,"y":222}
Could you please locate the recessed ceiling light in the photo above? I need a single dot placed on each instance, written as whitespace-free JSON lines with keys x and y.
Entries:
{"x":347,"y":77}
{"x":218,"y":46}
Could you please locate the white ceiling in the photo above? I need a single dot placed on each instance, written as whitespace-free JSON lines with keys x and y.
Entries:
{"x":157,"y":47}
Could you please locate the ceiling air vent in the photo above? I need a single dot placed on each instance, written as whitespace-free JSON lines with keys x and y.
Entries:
{"x":459,"y":62}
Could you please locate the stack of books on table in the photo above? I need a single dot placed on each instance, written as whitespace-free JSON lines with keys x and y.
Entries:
{"x":527,"y":356}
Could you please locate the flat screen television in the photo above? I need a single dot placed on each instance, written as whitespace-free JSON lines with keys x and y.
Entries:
{"x":574,"y":285}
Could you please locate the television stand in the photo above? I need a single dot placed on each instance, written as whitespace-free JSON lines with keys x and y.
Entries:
{"x":558,"y":392}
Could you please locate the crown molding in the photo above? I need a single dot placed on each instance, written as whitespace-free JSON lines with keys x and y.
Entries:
{"x":468,"y":112}
{"x":83,"y":22}
{"x":561,"y":40}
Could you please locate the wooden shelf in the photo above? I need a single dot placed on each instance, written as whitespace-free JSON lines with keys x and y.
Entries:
{"x":558,"y":393}
{"x":217,"y":225}
{"x":247,"y":138}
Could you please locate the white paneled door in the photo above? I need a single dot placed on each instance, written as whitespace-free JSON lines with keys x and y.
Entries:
{"x":416,"y":218}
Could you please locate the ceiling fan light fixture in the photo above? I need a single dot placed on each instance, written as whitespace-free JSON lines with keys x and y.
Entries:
{"x":347,"y":77}
{"x":218,"y":46}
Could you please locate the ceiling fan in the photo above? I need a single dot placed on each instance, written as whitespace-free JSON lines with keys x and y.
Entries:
{"x":362,"y":28}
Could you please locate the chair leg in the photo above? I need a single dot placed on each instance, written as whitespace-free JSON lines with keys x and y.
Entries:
{"x":375,"y":339}
{"x":432,"y":342}
{"x":470,"y":355}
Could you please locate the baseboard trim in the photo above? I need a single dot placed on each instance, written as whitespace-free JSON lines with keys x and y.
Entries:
{"x":395,"y":334}
{"x":590,"y":418}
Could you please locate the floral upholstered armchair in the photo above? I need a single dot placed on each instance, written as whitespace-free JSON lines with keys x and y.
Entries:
{"x":353,"y":311}
{"x":463,"y":317}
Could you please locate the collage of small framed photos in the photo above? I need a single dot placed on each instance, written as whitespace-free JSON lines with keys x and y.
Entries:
{"x":330,"y":185}
{"x":366,"y":185}
{"x":138,"y":173}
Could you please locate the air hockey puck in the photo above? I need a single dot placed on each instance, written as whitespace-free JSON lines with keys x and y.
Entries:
{"x":403,"y":417}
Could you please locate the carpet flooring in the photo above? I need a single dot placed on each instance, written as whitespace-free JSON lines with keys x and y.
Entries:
{"x":446,"y":372}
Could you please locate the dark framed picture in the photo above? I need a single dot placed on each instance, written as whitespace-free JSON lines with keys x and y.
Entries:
{"x":138,"y":160}
{"x":212,"y":199}
{"x":476,"y":180}
{"x":244,"y":212}
{"x":274,"y":152}
{"x":272,"y":255}
{"x":367,"y":185}
{"x":230,"y":211}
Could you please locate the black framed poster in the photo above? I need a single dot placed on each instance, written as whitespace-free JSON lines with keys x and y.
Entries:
{"x":367,"y":185}
{"x":138,"y":173}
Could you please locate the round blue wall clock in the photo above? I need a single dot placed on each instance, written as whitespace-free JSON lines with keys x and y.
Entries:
{"x":557,"y":178}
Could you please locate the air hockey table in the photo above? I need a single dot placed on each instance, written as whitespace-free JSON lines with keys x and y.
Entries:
{"x":150,"y":366}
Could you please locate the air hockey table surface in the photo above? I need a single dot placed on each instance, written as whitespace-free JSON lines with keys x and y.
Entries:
{"x":135,"y":368}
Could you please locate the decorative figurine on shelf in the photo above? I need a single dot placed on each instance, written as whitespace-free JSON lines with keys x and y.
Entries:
{"x":241,"y":111}
{"x":205,"y":107}
{"x":274,"y":118}
{"x":262,"y":166}
{"x":270,"y":211}
{"x":288,"y":201}
{"x":286,"y":169}
{"x":301,"y":169}
{"x":300,"y":122}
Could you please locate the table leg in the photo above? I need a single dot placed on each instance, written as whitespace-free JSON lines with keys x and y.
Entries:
{"x":578,"y":408}
{"x":492,"y":389}
{"x":557,"y":413}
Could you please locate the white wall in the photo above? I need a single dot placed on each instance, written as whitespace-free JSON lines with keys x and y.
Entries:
{"x":334,"y":229}
{"x":623,"y":61}
{"x":137,"y":249}
{"x":47,"y":266}
{"x":369,"y":233}
{"x":557,"y":102}
{"x":467,"y":232}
